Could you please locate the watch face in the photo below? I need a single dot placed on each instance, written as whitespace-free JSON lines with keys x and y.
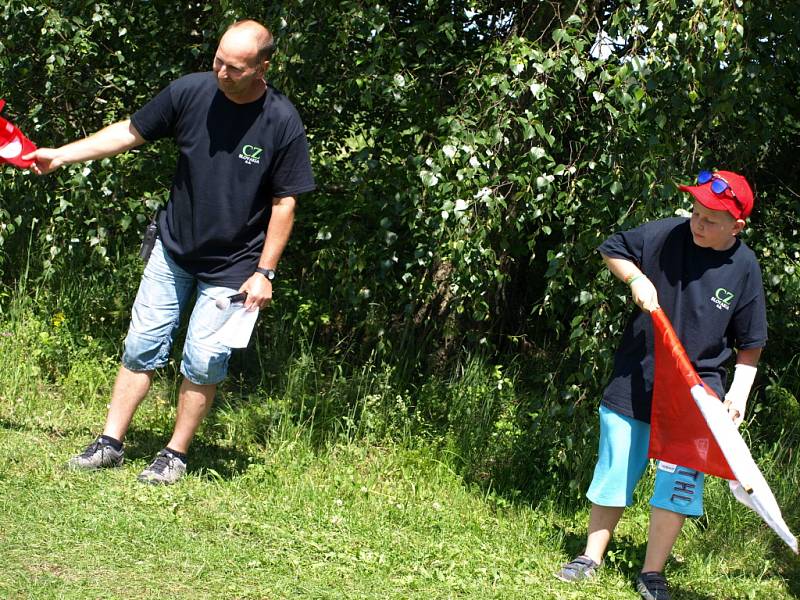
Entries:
{"x":268,"y":273}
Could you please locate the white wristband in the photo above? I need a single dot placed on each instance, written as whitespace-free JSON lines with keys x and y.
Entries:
{"x":743,"y":378}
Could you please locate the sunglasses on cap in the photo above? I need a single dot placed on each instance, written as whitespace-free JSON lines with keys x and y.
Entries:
{"x":718,"y":185}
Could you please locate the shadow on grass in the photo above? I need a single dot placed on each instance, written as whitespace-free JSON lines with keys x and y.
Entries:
{"x":626,"y":557}
{"x":792,"y":570}
{"x":204,"y":456}
{"x":51,"y":431}
{"x":794,"y":582}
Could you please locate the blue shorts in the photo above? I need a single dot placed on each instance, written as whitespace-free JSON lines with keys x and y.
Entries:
{"x":164,"y":292}
{"x":621,"y":461}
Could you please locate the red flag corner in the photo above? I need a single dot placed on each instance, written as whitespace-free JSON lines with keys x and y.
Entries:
{"x":679,"y":433}
{"x":13,"y":143}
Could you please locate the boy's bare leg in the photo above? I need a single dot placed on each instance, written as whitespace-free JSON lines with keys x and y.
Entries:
{"x":665,"y":526}
{"x":602,"y":521}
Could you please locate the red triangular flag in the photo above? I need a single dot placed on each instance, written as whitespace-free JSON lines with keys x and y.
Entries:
{"x":679,"y":433}
{"x":13,"y":143}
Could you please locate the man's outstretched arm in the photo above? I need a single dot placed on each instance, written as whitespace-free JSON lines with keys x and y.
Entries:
{"x":109,"y":141}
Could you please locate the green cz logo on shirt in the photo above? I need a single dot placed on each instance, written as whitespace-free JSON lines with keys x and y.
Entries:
{"x":251,"y":154}
{"x":722,"y":298}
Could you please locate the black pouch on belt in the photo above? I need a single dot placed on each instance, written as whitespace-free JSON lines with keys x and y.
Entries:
{"x":149,"y":239}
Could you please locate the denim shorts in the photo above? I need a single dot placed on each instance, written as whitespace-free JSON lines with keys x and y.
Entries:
{"x":622,"y":459}
{"x":164,"y":292}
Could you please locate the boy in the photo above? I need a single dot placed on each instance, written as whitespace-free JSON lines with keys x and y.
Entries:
{"x":709,"y":284}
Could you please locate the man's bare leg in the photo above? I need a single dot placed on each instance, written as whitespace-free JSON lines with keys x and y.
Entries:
{"x":130,"y":388}
{"x":194,"y":402}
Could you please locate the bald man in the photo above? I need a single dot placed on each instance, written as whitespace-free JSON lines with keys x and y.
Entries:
{"x":242,"y":161}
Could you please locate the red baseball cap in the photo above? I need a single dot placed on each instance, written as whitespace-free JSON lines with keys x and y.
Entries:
{"x":736,"y":197}
{"x":13,"y":143}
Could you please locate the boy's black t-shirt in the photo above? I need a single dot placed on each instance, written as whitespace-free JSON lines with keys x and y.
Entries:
{"x":714,"y":299}
{"x":233,"y":159}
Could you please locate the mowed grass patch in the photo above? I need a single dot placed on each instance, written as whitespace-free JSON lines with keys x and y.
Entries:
{"x":278,"y":513}
{"x":349,"y":521}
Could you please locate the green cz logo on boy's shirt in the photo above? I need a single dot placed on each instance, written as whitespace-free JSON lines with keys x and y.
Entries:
{"x":722,"y":298}
{"x":251,"y":154}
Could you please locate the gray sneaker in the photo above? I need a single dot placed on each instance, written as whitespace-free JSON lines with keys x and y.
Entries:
{"x":165,"y":469}
{"x":580,"y":568}
{"x":652,"y":586}
{"x":97,"y":455}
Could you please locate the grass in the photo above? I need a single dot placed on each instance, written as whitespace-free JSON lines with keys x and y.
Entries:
{"x":270,"y":509}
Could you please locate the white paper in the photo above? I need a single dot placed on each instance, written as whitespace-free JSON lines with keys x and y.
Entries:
{"x":235,"y":332}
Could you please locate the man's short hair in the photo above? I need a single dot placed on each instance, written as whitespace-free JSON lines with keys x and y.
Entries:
{"x":266,"y":43}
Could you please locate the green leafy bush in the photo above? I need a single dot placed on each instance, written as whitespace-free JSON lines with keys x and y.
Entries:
{"x":470,"y":156}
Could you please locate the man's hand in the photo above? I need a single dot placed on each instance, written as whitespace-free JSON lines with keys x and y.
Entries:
{"x":109,"y":141}
{"x":644,"y":293}
{"x":259,"y":291}
{"x":46,"y":160}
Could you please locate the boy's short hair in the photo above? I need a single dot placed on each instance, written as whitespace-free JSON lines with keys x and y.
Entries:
{"x":736,"y":197}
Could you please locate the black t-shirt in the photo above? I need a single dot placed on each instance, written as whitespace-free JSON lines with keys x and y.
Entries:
{"x":714,"y":299}
{"x":233,"y":159}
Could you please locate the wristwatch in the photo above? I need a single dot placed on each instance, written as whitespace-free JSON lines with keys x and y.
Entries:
{"x":268,"y":273}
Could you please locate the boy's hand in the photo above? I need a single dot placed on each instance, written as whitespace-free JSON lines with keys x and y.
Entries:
{"x":736,"y":405}
{"x":743,"y":377}
{"x":644,"y":294}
